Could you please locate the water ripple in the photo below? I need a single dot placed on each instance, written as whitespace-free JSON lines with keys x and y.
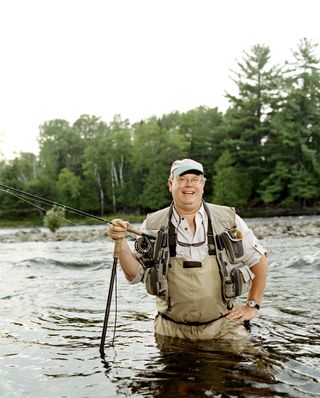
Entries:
{"x":52,"y":311}
{"x":48,"y":262}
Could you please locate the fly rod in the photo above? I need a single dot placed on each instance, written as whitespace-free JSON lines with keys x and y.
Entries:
{"x":23,"y":194}
{"x":29,"y":195}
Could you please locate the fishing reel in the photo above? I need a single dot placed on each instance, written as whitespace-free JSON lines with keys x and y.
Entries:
{"x":143,"y":245}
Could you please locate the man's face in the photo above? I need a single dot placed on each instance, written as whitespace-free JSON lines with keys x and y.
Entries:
{"x":187,"y":191}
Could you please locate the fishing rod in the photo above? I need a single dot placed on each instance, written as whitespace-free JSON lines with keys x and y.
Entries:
{"x":117,"y":246}
{"x":9,"y":189}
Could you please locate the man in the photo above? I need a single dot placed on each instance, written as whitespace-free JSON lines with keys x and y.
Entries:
{"x":214,"y":257}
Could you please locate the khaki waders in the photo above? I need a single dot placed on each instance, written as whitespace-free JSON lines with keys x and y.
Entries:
{"x":194,"y":298}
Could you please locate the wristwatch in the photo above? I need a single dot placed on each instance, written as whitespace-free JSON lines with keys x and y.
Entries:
{"x":253,"y":304}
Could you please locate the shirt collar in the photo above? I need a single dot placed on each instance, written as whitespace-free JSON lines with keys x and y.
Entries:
{"x":176,"y":218}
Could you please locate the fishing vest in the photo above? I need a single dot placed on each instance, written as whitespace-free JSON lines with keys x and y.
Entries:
{"x":185,"y":289}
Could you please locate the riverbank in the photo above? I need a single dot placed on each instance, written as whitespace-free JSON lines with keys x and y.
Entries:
{"x":262,"y":227}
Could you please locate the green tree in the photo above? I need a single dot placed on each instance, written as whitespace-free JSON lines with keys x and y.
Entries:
{"x":107,"y":175}
{"x":201,"y":128}
{"x":154,"y":150}
{"x":68,"y":186}
{"x":21,"y":173}
{"x":60,"y":146}
{"x":294,"y":143}
{"x":96,"y":167}
{"x":247,"y":122}
{"x":231,"y":185}
{"x":120,"y":177}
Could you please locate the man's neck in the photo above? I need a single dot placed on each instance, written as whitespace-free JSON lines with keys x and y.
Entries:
{"x":188,"y":214}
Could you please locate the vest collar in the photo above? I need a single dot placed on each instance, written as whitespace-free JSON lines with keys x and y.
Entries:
{"x":172,"y":230}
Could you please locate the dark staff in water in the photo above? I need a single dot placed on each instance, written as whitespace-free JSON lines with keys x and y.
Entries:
{"x":30,"y":198}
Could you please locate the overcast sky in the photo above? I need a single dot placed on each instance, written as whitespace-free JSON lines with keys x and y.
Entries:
{"x":136,"y":58}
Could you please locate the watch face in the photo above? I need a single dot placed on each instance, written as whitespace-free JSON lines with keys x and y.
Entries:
{"x":251,"y":303}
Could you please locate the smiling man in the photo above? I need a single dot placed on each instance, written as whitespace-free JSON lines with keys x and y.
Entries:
{"x":205,"y":256}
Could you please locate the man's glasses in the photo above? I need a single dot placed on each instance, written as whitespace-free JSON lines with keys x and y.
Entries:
{"x":197,"y":244}
{"x":197,"y":180}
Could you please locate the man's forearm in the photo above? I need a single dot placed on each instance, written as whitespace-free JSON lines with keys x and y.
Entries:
{"x":259,"y":282}
{"x":129,"y":263}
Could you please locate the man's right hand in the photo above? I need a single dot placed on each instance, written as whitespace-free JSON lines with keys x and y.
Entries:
{"x":118,"y":229}
{"x":129,"y":263}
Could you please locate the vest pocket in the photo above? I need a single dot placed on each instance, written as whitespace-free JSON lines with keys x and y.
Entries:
{"x":151,"y":281}
{"x":232,"y":244}
{"x":241,"y":280}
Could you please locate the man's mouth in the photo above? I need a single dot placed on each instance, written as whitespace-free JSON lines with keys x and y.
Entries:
{"x":188,"y":192}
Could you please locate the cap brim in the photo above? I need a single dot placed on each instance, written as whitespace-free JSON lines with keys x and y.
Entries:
{"x":184,"y":169}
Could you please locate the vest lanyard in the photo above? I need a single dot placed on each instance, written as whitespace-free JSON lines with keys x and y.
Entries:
{"x":173,"y":235}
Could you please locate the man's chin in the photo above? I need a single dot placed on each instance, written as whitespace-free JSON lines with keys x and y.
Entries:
{"x":190,"y":204}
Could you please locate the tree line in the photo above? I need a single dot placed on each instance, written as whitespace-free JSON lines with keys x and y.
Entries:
{"x":263,"y":152}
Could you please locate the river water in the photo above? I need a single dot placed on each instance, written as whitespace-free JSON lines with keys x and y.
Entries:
{"x":53,"y":298}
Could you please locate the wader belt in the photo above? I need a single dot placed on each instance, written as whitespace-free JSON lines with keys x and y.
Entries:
{"x":173,"y":235}
{"x":164,"y":316}
{"x":246,"y":324}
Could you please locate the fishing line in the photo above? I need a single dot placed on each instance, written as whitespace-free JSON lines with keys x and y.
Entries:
{"x":35,"y":205}
{"x":9,"y":190}
{"x":31,"y":199}
{"x":29,"y":195}
{"x":116,"y":307}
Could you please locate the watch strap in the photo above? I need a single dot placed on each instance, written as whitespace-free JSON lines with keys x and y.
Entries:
{"x":253,"y":304}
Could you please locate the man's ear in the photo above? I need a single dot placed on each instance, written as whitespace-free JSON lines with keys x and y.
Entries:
{"x":169,"y":185}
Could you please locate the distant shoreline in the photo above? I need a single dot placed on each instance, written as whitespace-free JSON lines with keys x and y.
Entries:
{"x":268,"y":227}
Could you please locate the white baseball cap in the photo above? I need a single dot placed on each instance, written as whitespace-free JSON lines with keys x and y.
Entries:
{"x":182,"y":166}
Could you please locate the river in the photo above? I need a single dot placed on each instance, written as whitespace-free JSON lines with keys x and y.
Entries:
{"x":53,"y":297}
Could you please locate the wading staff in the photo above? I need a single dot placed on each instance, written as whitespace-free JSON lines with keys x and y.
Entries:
{"x":116,"y":253}
{"x":23,"y":195}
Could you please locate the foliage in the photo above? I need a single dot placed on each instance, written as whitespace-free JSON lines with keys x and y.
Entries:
{"x":263,"y":151}
{"x":247,"y":122}
{"x":68,"y":186}
{"x":294,"y":142}
{"x":231,"y":185}
{"x":53,"y":218}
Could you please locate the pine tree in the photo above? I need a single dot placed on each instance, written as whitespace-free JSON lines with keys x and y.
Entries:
{"x":247,"y":122}
{"x":293,"y":148}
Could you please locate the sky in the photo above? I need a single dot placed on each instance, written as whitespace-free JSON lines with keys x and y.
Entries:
{"x":60,"y":59}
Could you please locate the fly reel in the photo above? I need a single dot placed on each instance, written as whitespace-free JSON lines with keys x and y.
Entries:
{"x":143,"y":245}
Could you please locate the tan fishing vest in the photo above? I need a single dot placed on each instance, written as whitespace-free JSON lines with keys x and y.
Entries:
{"x":200,"y":292}
{"x":222,"y":218}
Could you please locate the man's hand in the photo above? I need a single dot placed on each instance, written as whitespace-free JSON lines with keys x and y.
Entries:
{"x":118,"y":229}
{"x":242,"y":313}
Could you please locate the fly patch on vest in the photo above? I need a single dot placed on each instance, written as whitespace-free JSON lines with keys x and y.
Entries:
{"x":236,"y":275}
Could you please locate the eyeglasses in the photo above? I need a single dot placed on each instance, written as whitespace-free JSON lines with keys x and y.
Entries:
{"x":197,"y":244}
{"x":182,"y":180}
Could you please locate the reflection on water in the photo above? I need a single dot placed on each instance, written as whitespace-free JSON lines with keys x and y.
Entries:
{"x":206,"y":368}
{"x":53,"y":297}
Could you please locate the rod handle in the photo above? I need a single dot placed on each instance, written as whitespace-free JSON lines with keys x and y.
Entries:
{"x":117,"y":248}
{"x":134,"y":230}
{"x":131,"y":229}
